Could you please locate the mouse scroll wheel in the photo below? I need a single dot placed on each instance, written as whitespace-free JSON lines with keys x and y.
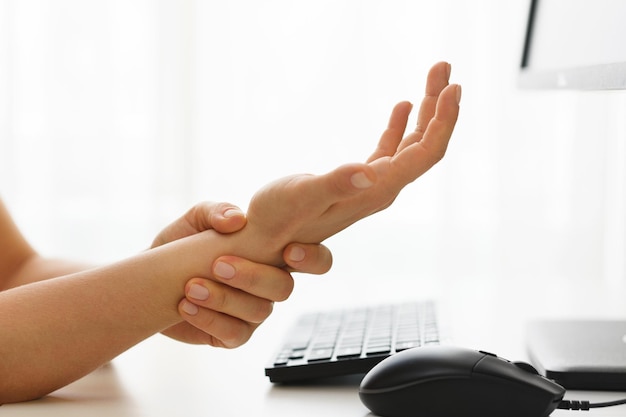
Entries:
{"x":527,"y":367}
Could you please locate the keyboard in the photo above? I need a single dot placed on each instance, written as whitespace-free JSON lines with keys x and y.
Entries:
{"x":351,"y":341}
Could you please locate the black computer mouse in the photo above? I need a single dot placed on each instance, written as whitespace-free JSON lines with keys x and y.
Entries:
{"x":449,"y":381}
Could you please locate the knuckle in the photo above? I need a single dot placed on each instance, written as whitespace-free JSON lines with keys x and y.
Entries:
{"x":219,"y":300}
{"x":286,"y":289}
{"x":199,"y":208}
{"x":254,"y":280}
{"x":439,"y":153}
{"x":263,"y":310}
{"x":209,"y":323}
{"x":237,"y":335}
{"x":276,"y":285}
{"x":321,"y":261}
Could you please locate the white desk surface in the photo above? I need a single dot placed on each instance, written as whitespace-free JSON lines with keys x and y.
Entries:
{"x":160,"y":377}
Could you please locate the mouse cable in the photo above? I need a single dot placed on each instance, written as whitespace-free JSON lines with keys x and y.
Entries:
{"x":586,"y":405}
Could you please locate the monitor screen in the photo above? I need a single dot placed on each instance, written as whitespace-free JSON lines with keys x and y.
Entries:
{"x":577,"y":44}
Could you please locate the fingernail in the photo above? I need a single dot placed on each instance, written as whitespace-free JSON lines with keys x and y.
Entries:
{"x":449,"y":69}
{"x":198,"y":292}
{"x":360,"y":180}
{"x":297,"y":254}
{"x":458,"y":94}
{"x":232,"y":212}
{"x":190,"y":308}
{"x":224,"y":270}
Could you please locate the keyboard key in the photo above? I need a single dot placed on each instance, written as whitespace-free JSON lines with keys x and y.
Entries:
{"x":407,"y":345}
{"x":297,"y":354}
{"x":377,"y":350}
{"x":349,"y":351}
{"x":281,"y":360}
{"x":320,"y":355}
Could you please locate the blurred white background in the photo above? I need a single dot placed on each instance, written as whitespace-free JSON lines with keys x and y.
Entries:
{"x":117,"y":116}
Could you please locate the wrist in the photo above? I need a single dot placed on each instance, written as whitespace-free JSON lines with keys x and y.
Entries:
{"x":255,"y":245}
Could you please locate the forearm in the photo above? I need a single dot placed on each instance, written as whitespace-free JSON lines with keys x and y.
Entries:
{"x":57,"y":330}
{"x":37,"y":268}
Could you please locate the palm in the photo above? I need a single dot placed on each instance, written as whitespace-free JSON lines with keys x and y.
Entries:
{"x":311,"y":208}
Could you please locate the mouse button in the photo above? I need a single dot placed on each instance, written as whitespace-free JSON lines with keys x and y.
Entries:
{"x":419,"y":364}
{"x":390,"y":374}
{"x":488,"y":353}
{"x":527,"y":367}
{"x":505,"y":370}
{"x":495,"y":366}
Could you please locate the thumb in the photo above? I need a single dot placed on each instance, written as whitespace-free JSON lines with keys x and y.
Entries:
{"x":223,"y":217}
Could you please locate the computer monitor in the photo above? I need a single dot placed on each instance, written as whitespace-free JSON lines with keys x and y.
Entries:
{"x":575,"y":44}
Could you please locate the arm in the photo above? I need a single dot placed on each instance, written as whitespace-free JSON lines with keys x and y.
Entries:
{"x":307,"y":208}
{"x":19,"y":260}
{"x":253,"y":299}
{"x":57,"y":330}
{"x":54,"y":330}
{"x":310,"y":208}
{"x":107,"y":310}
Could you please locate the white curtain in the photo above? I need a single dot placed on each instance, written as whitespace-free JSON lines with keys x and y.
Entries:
{"x":116,"y":116}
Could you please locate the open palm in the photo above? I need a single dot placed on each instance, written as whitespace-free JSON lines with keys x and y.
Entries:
{"x":310,"y":208}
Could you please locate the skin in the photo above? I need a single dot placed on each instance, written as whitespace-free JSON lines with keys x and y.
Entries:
{"x":276,"y":283}
{"x":21,"y":265}
{"x":311,"y":208}
{"x":106,"y":310}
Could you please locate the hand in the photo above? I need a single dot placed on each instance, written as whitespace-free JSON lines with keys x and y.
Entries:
{"x":228,"y":218}
{"x":310,"y":208}
{"x":222,"y":217}
{"x":242,"y":293}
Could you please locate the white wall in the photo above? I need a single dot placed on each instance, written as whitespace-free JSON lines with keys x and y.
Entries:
{"x":118,"y":115}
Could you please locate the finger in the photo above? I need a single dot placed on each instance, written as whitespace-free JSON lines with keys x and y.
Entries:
{"x":228,"y":300}
{"x":440,"y":128}
{"x":223,"y":217}
{"x":344,"y":181}
{"x":420,"y":156}
{"x":436,"y":81}
{"x":260,"y":280}
{"x":308,"y":258}
{"x":391,"y":137}
{"x":221,"y":330}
